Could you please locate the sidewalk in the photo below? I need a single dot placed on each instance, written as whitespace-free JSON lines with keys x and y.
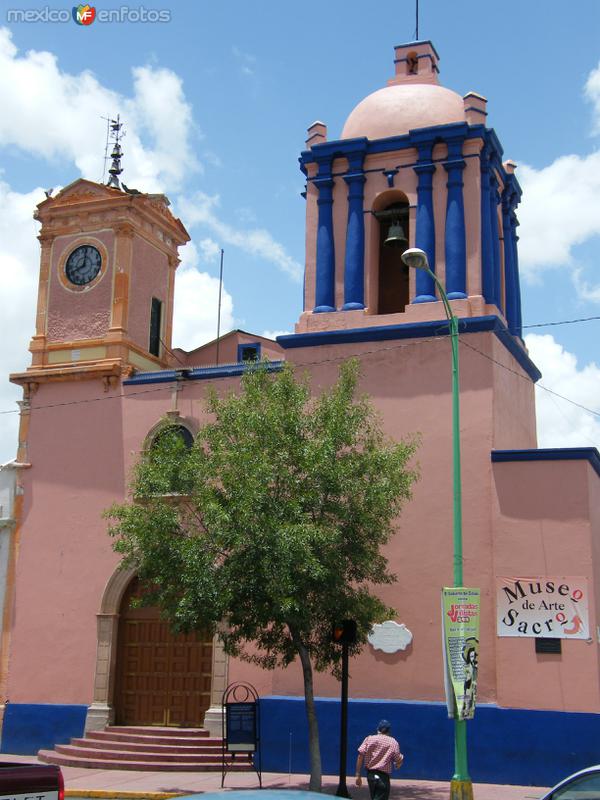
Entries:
{"x":123,"y":784}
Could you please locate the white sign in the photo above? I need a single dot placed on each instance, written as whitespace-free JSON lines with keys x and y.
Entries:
{"x":555,"y":608}
{"x":390,"y":637}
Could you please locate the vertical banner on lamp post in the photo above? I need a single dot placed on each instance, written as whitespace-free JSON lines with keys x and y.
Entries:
{"x":460,"y":626}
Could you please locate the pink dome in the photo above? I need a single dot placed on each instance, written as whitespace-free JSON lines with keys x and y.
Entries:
{"x":401,"y":107}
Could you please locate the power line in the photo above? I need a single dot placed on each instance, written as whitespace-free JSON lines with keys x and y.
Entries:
{"x":171,"y":353}
{"x":561,"y":322}
{"x":94,"y":399}
{"x":165,"y":386}
{"x":539,"y":385}
{"x":424,"y":340}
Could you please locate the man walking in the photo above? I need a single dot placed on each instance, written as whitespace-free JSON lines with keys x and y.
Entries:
{"x":378,"y":753}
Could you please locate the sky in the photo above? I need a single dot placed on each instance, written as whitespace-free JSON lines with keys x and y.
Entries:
{"x":217,"y":97}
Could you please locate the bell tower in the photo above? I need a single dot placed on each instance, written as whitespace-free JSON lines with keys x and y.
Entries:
{"x":105,"y":297}
{"x":415,"y":166}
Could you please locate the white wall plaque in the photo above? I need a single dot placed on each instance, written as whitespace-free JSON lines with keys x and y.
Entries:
{"x":390,"y":636}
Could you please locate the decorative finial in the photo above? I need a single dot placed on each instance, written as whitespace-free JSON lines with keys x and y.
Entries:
{"x":115,"y":131}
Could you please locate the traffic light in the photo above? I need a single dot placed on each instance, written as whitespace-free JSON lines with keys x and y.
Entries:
{"x":344,"y":632}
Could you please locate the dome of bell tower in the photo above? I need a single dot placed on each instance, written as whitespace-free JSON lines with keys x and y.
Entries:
{"x":412,"y":99}
{"x":397,"y":109}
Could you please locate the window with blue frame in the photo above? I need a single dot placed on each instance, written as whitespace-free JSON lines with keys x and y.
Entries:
{"x":248,"y":352}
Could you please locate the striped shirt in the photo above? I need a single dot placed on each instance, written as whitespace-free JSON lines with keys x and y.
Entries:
{"x":380,"y":751}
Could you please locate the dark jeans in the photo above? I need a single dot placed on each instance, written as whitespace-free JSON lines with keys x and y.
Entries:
{"x":379,"y":784}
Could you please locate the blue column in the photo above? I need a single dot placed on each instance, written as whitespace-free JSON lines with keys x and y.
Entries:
{"x":425,"y":232}
{"x":518,"y":331}
{"x":487,"y":255}
{"x":509,"y":265}
{"x":354,"y":267}
{"x":494,"y":199}
{"x":325,"y":277}
{"x":455,"y":239}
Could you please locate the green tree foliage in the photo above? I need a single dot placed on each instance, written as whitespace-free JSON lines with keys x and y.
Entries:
{"x":271,"y":526}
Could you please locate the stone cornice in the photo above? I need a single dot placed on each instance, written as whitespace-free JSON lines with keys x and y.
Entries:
{"x":85,"y":205}
{"x":106,"y":368}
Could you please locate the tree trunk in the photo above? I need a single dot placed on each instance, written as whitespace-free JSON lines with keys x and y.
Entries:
{"x":311,"y":715}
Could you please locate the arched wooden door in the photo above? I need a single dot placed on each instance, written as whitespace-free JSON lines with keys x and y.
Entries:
{"x":162,"y":678}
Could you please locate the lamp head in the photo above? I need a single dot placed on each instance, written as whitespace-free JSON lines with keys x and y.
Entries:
{"x":415,"y":258}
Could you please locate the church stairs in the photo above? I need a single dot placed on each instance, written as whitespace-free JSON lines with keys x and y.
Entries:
{"x":143,"y":749}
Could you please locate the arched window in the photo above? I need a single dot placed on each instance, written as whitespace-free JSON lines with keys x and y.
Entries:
{"x":174,"y":432}
{"x":393,"y":292}
{"x":167,"y":461}
{"x":412,"y":63}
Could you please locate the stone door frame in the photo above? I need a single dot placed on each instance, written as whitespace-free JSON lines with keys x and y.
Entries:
{"x":101,"y":712}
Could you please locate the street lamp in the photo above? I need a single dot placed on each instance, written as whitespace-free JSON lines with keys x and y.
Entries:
{"x":461,"y":787}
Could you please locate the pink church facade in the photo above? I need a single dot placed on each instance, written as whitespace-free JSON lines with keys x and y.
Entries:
{"x":102,"y":378}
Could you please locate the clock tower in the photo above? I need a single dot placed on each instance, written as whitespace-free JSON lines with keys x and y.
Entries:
{"x":105,"y":297}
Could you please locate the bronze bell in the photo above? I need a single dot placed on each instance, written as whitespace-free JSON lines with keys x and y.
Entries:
{"x":396,"y":237}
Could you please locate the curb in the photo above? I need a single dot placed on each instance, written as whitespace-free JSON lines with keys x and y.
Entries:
{"x":104,"y":793}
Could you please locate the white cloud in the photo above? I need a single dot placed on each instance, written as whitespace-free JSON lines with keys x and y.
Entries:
{"x":561,"y":202}
{"x":560,"y":423}
{"x":19,"y":261}
{"x":585,"y":289}
{"x":54,"y":114}
{"x":196,"y":304}
{"x":560,"y":209}
{"x":210,"y":250}
{"x":592,"y":92}
{"x":275,"y":334}
{"x":247,"y":61}
{"x":200,"y":209}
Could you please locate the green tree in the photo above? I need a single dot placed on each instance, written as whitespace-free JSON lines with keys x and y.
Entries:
{"x":282,"y":507}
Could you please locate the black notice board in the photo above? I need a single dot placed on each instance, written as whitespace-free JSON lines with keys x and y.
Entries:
{"x":241,"y":727}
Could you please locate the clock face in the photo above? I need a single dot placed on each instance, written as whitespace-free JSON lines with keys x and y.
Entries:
{"x":83,"y":265}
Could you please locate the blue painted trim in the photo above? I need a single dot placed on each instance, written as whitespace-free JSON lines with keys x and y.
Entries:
{"x":254,"y":346}
{"x":397,"y":168}
{"x":390,"y":175}
{"x":29,"y":727}
{"x":455,"y":241}
{"x":416,"y":330}
{"x":509,"y":266}
{"x":590,"y":454}
{"x":199,"y":373}
{"x":518,"y":329}
{"x":345,"y":148}
{"x":514,"y":192}
{"x":494,"y":200}
{"x":506,"y":745}
{"x":160,"y":376}
{"x":487,"y":256}
{"x":354,"y":264}
{"x":325,"y":268}
{"x":425,"y":223}
{"x":415,"y":43}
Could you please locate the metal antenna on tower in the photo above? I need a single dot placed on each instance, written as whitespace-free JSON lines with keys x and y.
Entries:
{"x":116,"y":169}
{"x":417,"y":21}
{"x":105,"y":149}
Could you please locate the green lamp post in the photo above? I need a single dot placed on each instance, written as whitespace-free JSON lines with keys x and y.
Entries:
{"x":461,"y":787}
